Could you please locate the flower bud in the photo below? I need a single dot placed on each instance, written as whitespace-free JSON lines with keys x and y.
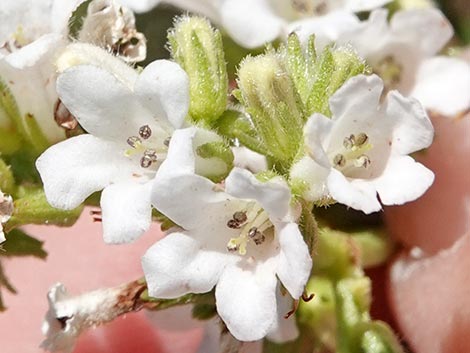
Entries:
{"x":198,"y":48}
{"x":270,"y":97}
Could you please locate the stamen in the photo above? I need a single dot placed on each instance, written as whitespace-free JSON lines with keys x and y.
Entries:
{"x":349,"y":142}
{"x":166,"y":142}
{"x":339,"y":160}
{"x":361,"y":139}
{"x":240,"y":217}
{"x":232,"y":223}
{"x":232,"y":247}
{"x":362,"y":161}
{"x":145,"y":132}
{"x":134,"y":141}
{"x":149,"y":157}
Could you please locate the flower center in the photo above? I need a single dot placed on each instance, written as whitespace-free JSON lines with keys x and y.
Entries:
{"x":140,"y":145}
{"x":253,"y":224}
{"x":390,"y":71}
{"x":353,"y":154}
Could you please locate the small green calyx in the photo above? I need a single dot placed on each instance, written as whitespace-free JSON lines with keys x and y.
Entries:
{"x":270,"y":97}
{"x":198,"y":48}
{"x":217,"y":150}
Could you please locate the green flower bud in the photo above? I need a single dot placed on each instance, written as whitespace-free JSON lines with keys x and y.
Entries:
{"x":316,"y":78}
{"x":271,"y":99}
{"x":221,"y":156}
{"x":198,"y":48}
{"x":7,"y":181}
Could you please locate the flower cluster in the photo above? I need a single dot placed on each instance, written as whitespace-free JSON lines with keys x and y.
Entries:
{"x":233,"y":179}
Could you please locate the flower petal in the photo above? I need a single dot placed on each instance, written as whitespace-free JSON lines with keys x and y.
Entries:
{"x":103,"y":105}
{"x":251,"y":23}
{"x":283,"y":330}
{"x":427,"y":28}
{"x":31,"y":54}
{"x":364,"y":5}
{"x":413,"y":130}
{"x":246,"y":300}
{"x":273,"y":196}
{"x":326,"y":28}
{"x":316,"y":133}
{"x":359,"y":95}
{"x":358,"y":194}
{"x":190,"y":200}
{"x":126,"y":211}
{"x":178,"y":264}
{"x":248,"y":159}
{"x":73,"y":169}
{"x":403,"y":180}
{"x":311,"y":175}
{"x":163,"y":87}
{"x":295,"y":262}
{"x":443,"y":84}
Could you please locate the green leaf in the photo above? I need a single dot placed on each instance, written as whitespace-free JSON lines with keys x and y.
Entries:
{"x":31,"y":207}
{"x":19,"y":243}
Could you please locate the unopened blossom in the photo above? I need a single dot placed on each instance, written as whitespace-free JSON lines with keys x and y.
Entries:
{"x":6,"y":210}
{"x":361,"y":153}
{"x":403,"y":52}
{"x":129,"y":118}
{"x":241,"y":239}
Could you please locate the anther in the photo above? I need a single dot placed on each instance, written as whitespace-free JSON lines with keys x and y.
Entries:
{"x":256,"y":236}
{"x":134,"y":141}
{"x":166,"y":142}
{"x":145,"y":132}
{"x":234,"y":224}
{"x":362,"y":161}
{"x":240,"y":217}
{"x":349,"y":142}
{"x":339,"y":160}
{"x":361,"y":139}
{"x":232,"y":247}
{"x":146,"y":161}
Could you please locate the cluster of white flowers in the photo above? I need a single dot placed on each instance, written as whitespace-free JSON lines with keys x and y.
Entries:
{"x":240,"y":235}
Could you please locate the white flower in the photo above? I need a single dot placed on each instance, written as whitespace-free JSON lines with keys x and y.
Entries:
{"x":362,"y":150}
{"x":111,"y":26}
{"x":129,"y":118}
{"x":402,"y":53}
{"x":251,"y":23}
{"x":240,"y":240}
{"x":6,"y":210}
{"x":31,"y":34}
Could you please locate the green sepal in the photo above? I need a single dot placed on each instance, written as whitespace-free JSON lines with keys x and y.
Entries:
{"x":309,"y":228}
{"x":198,"y":48}
{"x":220,"y":151}
{"x":31,"y":207}
{"x":7,"y":181}
{"x":35,"y":135}
{"x":236,"y":125}
{"x":19,"y":243}
{"x":10,"y":141}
